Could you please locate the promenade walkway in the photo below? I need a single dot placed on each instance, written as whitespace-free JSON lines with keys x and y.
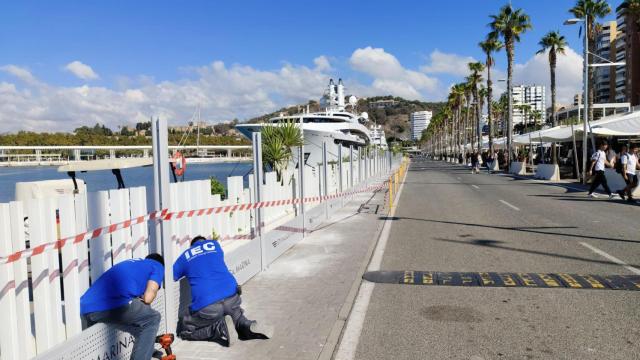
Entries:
{"x":303,"y":293}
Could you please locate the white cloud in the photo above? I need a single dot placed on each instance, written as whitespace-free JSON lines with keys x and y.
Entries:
{"x":535,"y":71}
{"x":390,"y":77}
{"x":443,"y":63}
{"x":223,"y":93}
{"x":82,"y":71}
{"x":322,"y":63}
{"x":20,"y":72}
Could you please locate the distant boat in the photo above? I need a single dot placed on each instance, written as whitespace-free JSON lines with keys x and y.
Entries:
{"x":334,"y":125}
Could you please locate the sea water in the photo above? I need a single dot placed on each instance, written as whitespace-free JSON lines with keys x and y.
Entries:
{"x":105,"y":180}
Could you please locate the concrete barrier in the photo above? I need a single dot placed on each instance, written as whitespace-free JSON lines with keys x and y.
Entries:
{"x":518,"y":168}
{"x":548,"y":172}
{"x":616,"y":182}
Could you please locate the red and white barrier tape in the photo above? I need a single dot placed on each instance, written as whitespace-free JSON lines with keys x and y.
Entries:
{"x":165,"y":215}
{"x":54,"y":245}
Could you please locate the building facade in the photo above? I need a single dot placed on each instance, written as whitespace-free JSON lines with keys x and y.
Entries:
{"x":419,"y":121}
{"x":605,"y":77}
{"x":532,"y":95}
{"x":628,"y":50}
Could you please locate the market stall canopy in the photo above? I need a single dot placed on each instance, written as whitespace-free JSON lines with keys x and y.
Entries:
{"x":622,"y":125}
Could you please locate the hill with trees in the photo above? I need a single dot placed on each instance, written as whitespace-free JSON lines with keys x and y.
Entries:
{"x":389,"y":111}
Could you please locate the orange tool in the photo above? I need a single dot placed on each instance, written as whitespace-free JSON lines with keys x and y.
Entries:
{"x":165,"y":341}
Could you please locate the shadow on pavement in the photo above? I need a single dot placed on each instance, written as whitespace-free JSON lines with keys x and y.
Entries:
{"x":492,"y":244}
{"x":527,"y":229}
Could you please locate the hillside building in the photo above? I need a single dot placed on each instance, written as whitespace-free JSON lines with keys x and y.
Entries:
{"x":419,"y":121}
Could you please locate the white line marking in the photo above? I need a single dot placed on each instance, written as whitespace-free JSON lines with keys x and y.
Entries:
{"x":509,"y":205}
{"x":612,"y":258}
{"x":475,"y":186}
{"x":355,"y":322}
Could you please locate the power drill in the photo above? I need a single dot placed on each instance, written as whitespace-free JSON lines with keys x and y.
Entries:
{"x":165,"y":341}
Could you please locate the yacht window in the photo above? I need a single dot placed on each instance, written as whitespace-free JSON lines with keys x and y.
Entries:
{"x":322,"y":120}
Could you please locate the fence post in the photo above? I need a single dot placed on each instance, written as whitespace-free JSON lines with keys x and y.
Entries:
{"x":325,"y":181}
{"x":340,"y":168}
{"x":160,"y":138}
{"x":301,"y":184}
{"x":351,"y":166}
{"x":256,"y":139}
{"x":9,"y":331}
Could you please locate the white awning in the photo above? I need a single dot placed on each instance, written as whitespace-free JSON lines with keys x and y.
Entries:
{"x":623,"y":125}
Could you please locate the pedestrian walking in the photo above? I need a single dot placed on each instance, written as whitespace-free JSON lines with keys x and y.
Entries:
{"x":598,"y":163}
{"x":628,"y":168}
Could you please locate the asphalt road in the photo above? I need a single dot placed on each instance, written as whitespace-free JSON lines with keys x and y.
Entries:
{"x":450,"y":220}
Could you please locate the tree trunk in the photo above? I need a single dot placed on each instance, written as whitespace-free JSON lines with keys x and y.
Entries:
{"x":489,"y":115}
{"x":552,"y":65}
{"x":466,"y":121}
{"x":478,"y":116}
{"x":509,"y":46}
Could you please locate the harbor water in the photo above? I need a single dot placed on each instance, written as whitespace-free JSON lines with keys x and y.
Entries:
{"x":105,"y":180}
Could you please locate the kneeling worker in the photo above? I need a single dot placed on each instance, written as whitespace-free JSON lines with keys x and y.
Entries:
{"x":215,"y":297}
{"x":122,"y":296}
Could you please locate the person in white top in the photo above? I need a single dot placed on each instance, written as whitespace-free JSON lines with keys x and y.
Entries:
{"x":598,"y":163}
{"x":630,"y":165}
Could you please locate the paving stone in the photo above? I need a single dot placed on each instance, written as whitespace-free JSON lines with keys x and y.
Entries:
{"x":302,"y":292}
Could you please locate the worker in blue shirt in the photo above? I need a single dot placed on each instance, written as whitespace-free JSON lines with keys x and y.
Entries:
{"x":215,"y":297}
{"x":122,"y":296}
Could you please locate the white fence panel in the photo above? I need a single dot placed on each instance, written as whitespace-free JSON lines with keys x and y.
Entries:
{"x":46,"y":322}
{"x":120,"y":211}
{"x":26,"y":338}
{"x":100,"y":247}
{"x":55,"y":292}
{"x":70,"y":278}
{"x":80,"y":206}
{"x":9,"y":344}
{"x":139,"y":232}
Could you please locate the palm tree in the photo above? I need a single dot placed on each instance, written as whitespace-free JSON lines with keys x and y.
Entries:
{"x":555,"y":44}
{"x":489,"y":46}
{"x":591,"y":10}
{"x":476,"y":69}
{"x":509,"y":24}
{"x":633,"y":8}
{"x":277,"y":142}
{"x":535,"y":116}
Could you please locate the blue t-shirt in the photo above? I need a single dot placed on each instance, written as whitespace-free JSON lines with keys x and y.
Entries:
{"x":210,"y":279}
{"x":120,"y":284}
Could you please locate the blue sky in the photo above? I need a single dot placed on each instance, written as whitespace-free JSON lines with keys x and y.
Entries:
{"x":136,"y":45}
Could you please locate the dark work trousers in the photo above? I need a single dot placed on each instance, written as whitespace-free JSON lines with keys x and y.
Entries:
{"x":600,"y":179}
{"x":207,"y":322}
{"x":137,"y":317}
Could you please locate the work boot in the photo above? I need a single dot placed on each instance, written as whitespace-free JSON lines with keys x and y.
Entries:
{"x":223,"y":333}
{"x":253,"y":331}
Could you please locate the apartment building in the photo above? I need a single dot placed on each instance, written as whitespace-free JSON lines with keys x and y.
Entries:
{"x":419,"y":121}
{"x":627,"y":77}
{"x":605,"y":77}
{"x":532,"y":95}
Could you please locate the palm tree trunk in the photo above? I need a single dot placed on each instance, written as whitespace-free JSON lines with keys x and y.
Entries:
{"x":489,"y":117}
{"x":552,"y":61}
{"x":466,"y":123}
{"x":509,"y":45}
{"x":478,"y":116}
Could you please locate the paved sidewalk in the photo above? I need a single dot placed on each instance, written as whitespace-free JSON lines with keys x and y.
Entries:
{"x":303,"y":291}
